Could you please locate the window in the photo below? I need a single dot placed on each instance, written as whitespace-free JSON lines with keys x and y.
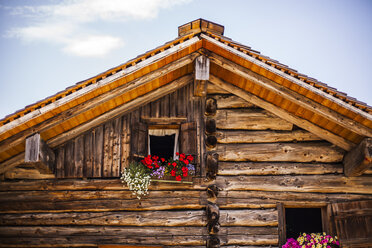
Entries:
{"x":300,"y":220}
{"x":296,"y":220}
{"x":163,"y":142}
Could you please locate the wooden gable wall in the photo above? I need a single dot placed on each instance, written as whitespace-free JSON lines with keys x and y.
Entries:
{"x":104,"y":151}
{"x":264,"y":160}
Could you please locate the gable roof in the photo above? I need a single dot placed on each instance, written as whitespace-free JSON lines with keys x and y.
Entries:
{"x":300,"y":99}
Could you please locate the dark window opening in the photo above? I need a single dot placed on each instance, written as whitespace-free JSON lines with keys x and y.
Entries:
{"x":162,"y":146}
{"x":302,"y":220}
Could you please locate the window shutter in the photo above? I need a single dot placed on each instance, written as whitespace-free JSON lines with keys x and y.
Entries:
{"x":353,"y":223}
{"x":188,"y":144}
{"x":139,"y":140}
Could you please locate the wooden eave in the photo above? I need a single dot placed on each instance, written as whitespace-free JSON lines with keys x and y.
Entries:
{"x":333,"y":115}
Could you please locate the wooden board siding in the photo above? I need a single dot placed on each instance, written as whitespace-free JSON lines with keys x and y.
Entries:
{"x":105,"y":150}
{"x":263,"y":161}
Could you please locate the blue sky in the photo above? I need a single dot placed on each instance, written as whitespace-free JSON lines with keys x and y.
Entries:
{"x":48,"y":45}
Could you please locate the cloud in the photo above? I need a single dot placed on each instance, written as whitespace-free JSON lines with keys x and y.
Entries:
{"x":63,"y":22}
{"x":92,"y":46}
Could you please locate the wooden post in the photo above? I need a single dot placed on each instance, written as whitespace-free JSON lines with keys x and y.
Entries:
{"x":201,"y":75}
{"x":358,"y":159}
{"x":212,"y":165}
{"x":38,"y":153}
{"x":281,"y":224}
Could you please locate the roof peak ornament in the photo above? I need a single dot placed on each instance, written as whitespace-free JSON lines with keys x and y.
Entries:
{"x":200,"y":25}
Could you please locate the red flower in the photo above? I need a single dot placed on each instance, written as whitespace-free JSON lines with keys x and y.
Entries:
{"x":186,"y":162}
{"x":173,"y":173}
{"x":174,"y":164}
{"x":162,"y":160}
{"x":177,"y":153}
{"x":185,"y":174}
{"x":178,"y":178}
{"x":184,"y":169}
{"x":190,"y":158}
{"x":182,"y":156}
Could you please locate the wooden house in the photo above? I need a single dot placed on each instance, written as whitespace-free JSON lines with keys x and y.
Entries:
{"x":274,"y":149}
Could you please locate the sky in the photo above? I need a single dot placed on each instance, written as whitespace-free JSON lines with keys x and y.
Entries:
{"x":48,"y":45}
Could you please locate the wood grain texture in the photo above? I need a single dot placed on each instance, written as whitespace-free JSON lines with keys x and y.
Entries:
{"x":250,"y":119}
{"x":284,"y":152}
{"x":310,"y":183}
{"x":243,"y":136}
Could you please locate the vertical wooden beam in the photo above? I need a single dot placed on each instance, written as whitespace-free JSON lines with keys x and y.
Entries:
{"x":358,"y":159}
{"x":38,"y":153}
{"x":201,"y":75}
{"x":281,"y":223}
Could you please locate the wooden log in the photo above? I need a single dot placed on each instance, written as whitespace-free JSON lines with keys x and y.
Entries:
{"x":249,"y":217}
{"x":138,"y":218}
{"x":200,"y":88}
{"x":213,"y":216}
{"x":39,"y":154}
{"x":210,"y":126}
{"x":213,"y":241}
{"x":210,"y":106}
{"x":251,"y":119}
{"x":26,"y":173}
{"x":307,"y":125}
{"x":359,"y":159}
{"x":310,"y":183}
{"x":283,"y":152}
{"x":157,"y":201}
{"x":102,"y":235}
{"x":212,"y":191}
{"x":92,"y":184}
{"x":275,"y":168}
{"x":214,"y":89}
{"x":242,"y":136}
{"x":211,"y":141}
{"x":212,"y":165}
{"x":268,"y":199}
{"x":231,"y":101}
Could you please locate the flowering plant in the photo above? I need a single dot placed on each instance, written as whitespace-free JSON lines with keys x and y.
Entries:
{"x":181,"y":167}
{"x":137,"y":178}
{"x":313,"y":240}
{"x":138,"y":175}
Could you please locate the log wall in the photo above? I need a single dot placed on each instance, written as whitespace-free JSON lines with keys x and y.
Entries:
{"x":264,"y":160}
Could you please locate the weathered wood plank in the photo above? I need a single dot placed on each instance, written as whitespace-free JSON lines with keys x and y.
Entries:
{"x":116,"y":149}
{"x":98,"y":151}
{"x":273,"y":168}
{"x":107,"y":149}
{"x":69,"y":159}
{"x":39,"y":154}
{"x":359,"y":159}
{"x":125,"y":143}
{"x":231,"y":101}
{"x":284,"y":152}
{"x":142,"y":218}
{"x":310,"y":183}
{"x":88,"y":154}
{"x":249,"y":217}
{"x":202,"y":68}
{"x":252,"y":119}
{"x":242,"y":136}
{"x":79,"y":156}
{"x":60,"y":163}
